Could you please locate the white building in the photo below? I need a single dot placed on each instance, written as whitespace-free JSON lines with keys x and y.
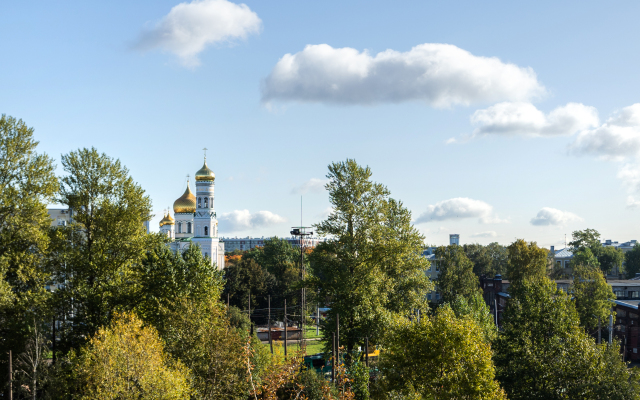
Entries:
{"x":195,"y":219}
{"x":248,"y":243}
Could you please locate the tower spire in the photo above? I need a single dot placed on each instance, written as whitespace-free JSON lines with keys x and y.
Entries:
{"x":205,"y":154}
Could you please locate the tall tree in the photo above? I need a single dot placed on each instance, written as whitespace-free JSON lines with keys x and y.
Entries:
{"x":632,"y":261}
{"x":441,"y":357}
{"x":27,"y":184}
{"x":608,"y":257}
{"x":371,"y":266}
{"x":95,"y":255}
{"x":476,"y":308}
{"x":542,"y":352}
{"x":456,"y":274}
{"x":592,"y":295}
{"x":525,"y":261}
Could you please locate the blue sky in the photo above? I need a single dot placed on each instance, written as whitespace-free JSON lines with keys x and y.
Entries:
{"x":533,"y":135}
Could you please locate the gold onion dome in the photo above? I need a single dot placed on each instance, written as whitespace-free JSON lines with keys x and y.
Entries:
{"x":170,"y":220}
{"x":185,"y":203}
{"x":163,"y":221}
{"x":205,"y":174}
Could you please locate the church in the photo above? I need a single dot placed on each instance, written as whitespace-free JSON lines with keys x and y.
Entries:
{"x":194,"y":220}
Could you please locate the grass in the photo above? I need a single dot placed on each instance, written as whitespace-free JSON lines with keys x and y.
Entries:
{"x":314,"y":346}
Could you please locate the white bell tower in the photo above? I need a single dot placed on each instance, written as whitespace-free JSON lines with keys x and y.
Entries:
{"x":204,"y":221}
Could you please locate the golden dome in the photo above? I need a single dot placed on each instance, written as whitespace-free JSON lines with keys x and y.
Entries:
{"x":205,"y":174}
{"x":167,"y":219}
{"x":170,"y":219}
{"x":163,"y":221}
{"x":185,"y":203}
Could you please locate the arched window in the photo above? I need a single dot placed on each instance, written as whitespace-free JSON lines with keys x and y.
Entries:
{"x":179,"y":227}
{"x":188,"y":227}
{"x":206,"y":231}
{"x":200,"y":202}
{"x":206,"y":202}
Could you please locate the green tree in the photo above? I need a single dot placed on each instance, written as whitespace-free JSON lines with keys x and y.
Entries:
{"x":543,"y":353}
{"x":610,"y":258}
{"x":525,"y":261}
{"x":127,"y":361}
{"x":94,"y":258}
{"x":371,"y":267}
{"x":584,"y":257}
{"x":488,"y":260}
{"x":248,"y":277}
{"x":442,"y":357}
{"x":632,"y":261}
{"x":456,"y":274}
{"x":27,"y":184}
{"x":164,"y":276}
{"x":587,"y":238}
{"x":476,"y":308}
{"x":592,"y":295}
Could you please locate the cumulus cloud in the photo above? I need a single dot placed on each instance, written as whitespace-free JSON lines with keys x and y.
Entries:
{"x":551,"y":216}
{"x":190,"y":27}
{"x":439,"y":74}
{"x":485,"y":234}
{"x":616,"y":139}
{"x":240,"y":220}
{"x":313,"y":185}
{"x":524,"y":119}
{"x":630,"y":176}
{"x":458,"y":208}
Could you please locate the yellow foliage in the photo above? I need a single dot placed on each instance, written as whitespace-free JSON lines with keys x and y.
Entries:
{"x":127,"y":361}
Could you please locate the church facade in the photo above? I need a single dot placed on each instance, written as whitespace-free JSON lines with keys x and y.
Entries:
{"x":194,"y":220}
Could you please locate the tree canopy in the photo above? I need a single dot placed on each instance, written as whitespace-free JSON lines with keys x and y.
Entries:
{"x":371,"y":266}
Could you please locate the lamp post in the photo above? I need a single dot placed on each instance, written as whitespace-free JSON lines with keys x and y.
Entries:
{"x":300,"y":232}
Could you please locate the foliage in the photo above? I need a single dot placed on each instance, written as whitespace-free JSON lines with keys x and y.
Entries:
{"x":95,"y":256}
{"x":632,"y":261}
{"x":525,"y":261}
{"x":456,"y":274}
{"x":164,"y":276}
{"x":247,"y":277}
{"x":239,"y":319}
{"x":476,"y":308}
{"x":606,"y":257}
{"x":127,"y":361}
{"x":542,"y":353}
{"x":31,"y":367}
{"x":27,"y":184}
{"x":487,"y":260}
{"x":443,"y":357}
{"x":371,"y":267}
{"x":358,"y":374}
{"x":198,"y":334}
{"x":592,"y":295}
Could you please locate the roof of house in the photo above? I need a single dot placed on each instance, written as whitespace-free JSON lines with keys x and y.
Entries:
{"x":563,"y":253}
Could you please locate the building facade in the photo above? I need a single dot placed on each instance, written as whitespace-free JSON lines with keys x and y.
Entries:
{"x":248,"y":243}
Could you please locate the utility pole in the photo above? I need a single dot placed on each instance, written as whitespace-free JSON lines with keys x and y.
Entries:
{"x":317,"y":319}
{"x":610,"y":329}
{"x":10,"y":376}
{"x":333,"y":359}
{"x":285,"y":328}
{"x":338,"y":336}
{"x":366,"y":351}
{"x":270,"y":342}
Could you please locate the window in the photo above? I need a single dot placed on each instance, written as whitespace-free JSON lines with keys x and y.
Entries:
{"x":206,"y":255}
{"x":566,"y":264}
{"x":621,"y":313}
{"x":559,"y":264}
{"x":206,"y":202}
{"x":188,"y":227}
{"x":199,"y":202}
{"x":179,"y":227}
{"x":206,"y":230}
{"x":429,"y":297}
{"x":437,"y":296}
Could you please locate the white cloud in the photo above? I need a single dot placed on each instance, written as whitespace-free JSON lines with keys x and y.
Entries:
{"x":240,"y":220}
{"x":439,"y":74}
{"x":190,"y":27}
{"x":459,"y":208}
{"x":313,"y":185}
{"x":630,"y":176}
{"x":616,"y":139}
{"x":486,"y":234}
{"x":551,"y":216}
{"x":519,"y":118}
{"x":632,"y":202}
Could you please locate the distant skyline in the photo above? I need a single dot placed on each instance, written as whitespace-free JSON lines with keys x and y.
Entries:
{"x":492,"y":120}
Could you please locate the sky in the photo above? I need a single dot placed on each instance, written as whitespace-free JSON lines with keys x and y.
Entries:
{"x":493,"y":120}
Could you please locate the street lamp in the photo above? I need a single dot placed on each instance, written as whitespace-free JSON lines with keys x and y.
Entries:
{"x":300,"y":232}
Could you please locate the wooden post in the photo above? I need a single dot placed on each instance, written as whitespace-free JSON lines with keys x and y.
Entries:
{"x":270,"y":342}
{"x":285,"y":328}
